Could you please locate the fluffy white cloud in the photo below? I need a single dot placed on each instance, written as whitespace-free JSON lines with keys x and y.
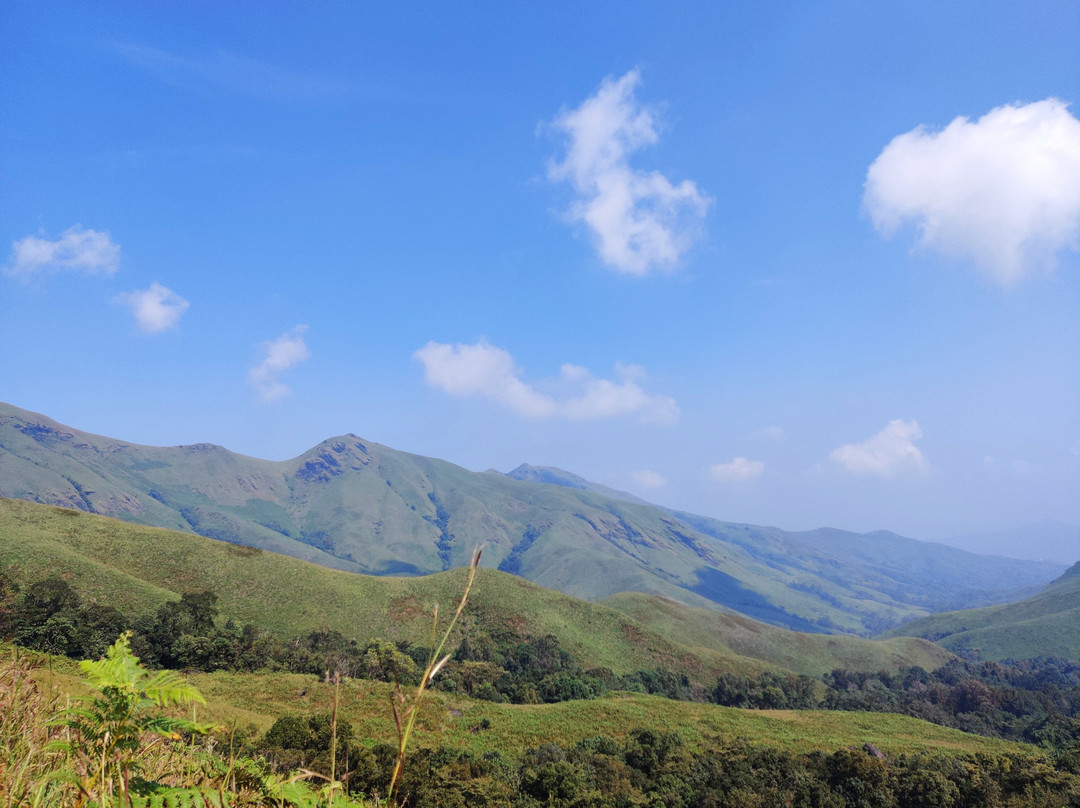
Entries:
{"x":1004,"y":190}
{"x":641,"y":221}
{"x":156,"y":309}
{"x":279,"y":355}
{"x":485,"y":370}
{"x":78,"y":249}
{"x":649,"y":480}
{"x":738,"y":470}
{"x":889,"y":451}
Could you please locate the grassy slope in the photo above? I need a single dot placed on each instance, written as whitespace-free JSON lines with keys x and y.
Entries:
{"x":812,"y":654}
{"x":137,"y":568}
{"x":355,"y":505}
{"x":257,"y":700}
{"x":1045,"y":625}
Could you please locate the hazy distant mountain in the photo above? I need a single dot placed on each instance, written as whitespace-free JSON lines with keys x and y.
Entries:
{"x":1047,"y":624}
{"x":359,"y":506}
{"x":1042,"y":541}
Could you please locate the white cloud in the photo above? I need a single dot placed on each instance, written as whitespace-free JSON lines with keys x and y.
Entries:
{"x":641,"y":221}
{"x":156,"y":309}
{"x":78,"y":249}
{"x":649,"y":480}
{"x":280,"y":354}
{"x":1004,"y":190}
{"x":889,"y":451}
{"x":485,"y":370}
{"x":738,"y":470}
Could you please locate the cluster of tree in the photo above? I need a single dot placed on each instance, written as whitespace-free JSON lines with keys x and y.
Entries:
{"x":50,"y":616}
{"x":656,"y":768}
{"x":502,"y":666}
{"x":507,"y":666}
{"x":1036,"y":700}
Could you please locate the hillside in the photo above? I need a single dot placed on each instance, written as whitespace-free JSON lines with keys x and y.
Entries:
{"x":136,"y":568}
{"x":354,"y":505}
{"x":1045,"y":625}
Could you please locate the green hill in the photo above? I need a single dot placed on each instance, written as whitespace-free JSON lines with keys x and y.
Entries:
{"x":136,"y":568}
{"x":354,"y":505}
{"x":448,"y":720}
{"x":1045,"y":625}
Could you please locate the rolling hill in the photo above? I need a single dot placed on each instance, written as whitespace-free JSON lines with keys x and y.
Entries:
{"x":354,"y":505}
{"x":1047,"y":624}
{"x":136,"y":568}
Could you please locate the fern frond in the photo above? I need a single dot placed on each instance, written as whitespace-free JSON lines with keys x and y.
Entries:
{"x":171,"y":797}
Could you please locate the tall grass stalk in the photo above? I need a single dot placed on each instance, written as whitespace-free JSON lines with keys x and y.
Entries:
{"x":405,"y":715}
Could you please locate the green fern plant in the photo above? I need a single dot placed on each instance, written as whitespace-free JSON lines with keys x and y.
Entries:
{"x":104,"y":732}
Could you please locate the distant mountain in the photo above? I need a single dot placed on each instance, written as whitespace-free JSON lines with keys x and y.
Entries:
{"x":556,"y":476}
{"x":355,"y":505}
{"x":1047,"y":624}
{"x":1042,"y":541}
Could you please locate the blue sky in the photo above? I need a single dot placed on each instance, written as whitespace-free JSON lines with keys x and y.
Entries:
{"x":804,"y":264}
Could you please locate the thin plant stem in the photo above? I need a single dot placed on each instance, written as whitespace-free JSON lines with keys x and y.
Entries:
{"x":404,"y":723}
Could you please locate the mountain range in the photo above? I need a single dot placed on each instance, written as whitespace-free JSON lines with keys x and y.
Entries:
{"x":358,"y":506}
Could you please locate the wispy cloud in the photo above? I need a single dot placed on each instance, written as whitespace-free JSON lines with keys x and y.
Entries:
{"x":227,"y":71}
{"x":156,"y":309}
{"x":738,"y":470}
{"x":279,"y":355}
{"x":890,"y":451}
{"x":78,"y":249}
{"x":485,"y":370}
{"x":649,"y":480}
{"x":1004,"y":190}
{"x":641,"y":221}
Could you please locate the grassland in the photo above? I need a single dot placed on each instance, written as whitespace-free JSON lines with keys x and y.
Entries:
{"x":1047,"y":624}
{"x":255,"y":701}
{"x":452,"y":720}
{"x":136,"y":568}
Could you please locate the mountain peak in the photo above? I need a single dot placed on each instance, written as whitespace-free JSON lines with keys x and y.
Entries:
{"x":548,"y":474}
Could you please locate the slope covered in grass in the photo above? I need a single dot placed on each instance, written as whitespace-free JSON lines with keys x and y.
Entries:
{"x":1045,"y":625}
{"x":810,"y":654}
{"x":136,"y":568}
{"x":451,"y":720}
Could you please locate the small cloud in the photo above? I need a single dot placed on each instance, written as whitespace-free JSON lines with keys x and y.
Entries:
{"x":649,"y":480}
{"x":889,"y":451}
{"x":738,"y":470}
{"x":641,"y":221}
{"x":1003,"y":191}
{"x":485,"y":370}
{"x":78,"y":249}
{"x":156,"y":309}
{"x":280,"y":354}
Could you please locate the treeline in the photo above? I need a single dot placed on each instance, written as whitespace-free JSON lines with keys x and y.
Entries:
{"x":1036,"y":701}
{"x":501,"y":666}
{"x":651,"y":768}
